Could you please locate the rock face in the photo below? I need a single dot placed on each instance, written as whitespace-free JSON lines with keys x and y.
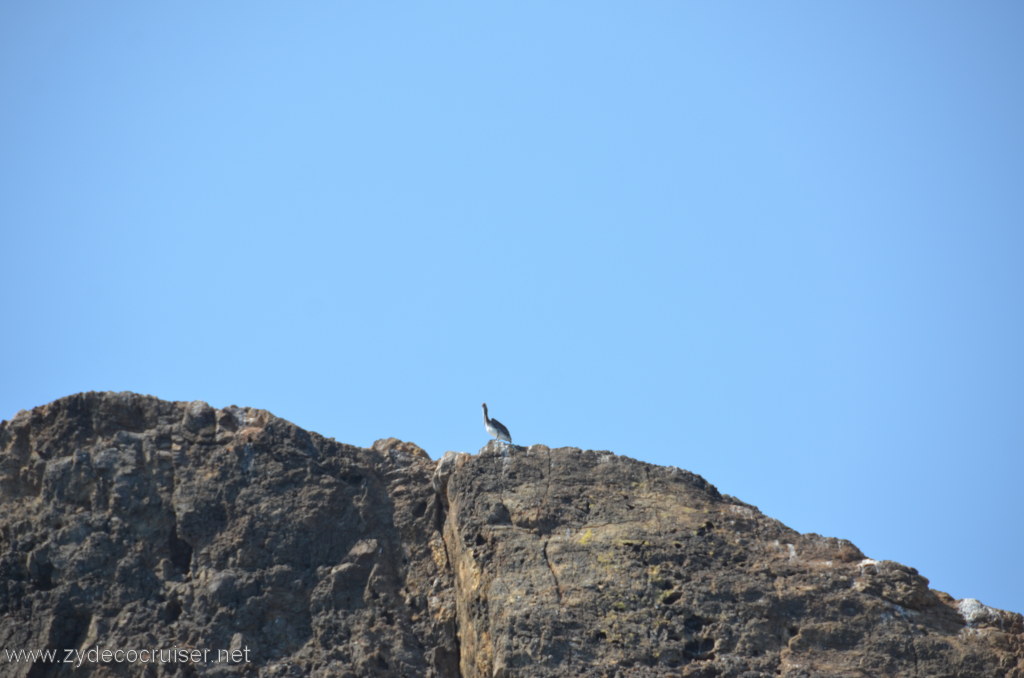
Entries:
{"x":233,"y":543}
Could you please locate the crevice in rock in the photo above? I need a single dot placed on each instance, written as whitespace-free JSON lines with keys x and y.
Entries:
{"x":171,"y":611}
{"x":441,"y":514}
{"x":41,"y":572}
{"x":551,"y":569}
{"x":181,"y":551}
{"x":440,"y":517}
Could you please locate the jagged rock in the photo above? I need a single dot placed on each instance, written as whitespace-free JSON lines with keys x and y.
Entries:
{"x":130,"y":523}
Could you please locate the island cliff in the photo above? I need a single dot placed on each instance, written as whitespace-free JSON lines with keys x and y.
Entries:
{"x":233,"y":543}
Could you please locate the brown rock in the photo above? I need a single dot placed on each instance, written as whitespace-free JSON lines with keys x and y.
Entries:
{"x":130,"y":523}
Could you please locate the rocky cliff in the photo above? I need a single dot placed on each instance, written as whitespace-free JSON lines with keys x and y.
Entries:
{"x":147,"y":538}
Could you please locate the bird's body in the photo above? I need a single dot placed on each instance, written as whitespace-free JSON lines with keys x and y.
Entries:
{"x":495,"y":427}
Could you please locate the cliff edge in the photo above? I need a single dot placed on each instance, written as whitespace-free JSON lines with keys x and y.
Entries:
{"x":140,"y":537}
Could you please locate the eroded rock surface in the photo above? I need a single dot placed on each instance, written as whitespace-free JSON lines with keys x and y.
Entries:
{"x":127,"y":522}
{"x":571,"y":562}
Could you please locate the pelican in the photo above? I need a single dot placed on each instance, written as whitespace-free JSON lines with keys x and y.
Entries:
{"x":495,"y":427}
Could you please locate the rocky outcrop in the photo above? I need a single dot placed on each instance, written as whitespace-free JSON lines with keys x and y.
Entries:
{"x":571,"y":562}
{"x":230,"y":542}
{"x":132,"y":523}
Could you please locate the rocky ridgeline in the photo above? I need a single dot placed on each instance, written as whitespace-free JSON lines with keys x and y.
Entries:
{"x":233,"y":543}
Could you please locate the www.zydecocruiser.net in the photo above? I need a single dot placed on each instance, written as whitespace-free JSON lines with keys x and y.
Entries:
{"x":102,"y":655}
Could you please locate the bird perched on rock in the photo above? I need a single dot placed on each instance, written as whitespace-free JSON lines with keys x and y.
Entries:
{"x":495,"y":427}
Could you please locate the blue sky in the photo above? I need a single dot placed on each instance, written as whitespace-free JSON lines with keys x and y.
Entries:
{"x":777,"y":244}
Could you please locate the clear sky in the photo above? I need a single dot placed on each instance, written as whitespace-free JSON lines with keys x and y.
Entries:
{"x":778,"y":244}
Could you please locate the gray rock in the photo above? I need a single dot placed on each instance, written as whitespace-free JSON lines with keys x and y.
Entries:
{"x":130,"y":523}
